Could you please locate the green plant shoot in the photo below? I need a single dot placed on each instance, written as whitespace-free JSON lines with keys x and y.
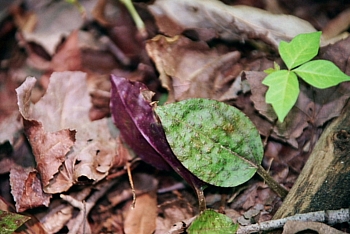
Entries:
{"x":283,"y":85}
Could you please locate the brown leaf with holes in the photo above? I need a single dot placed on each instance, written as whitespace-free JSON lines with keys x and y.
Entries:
{"x":66,"y":144}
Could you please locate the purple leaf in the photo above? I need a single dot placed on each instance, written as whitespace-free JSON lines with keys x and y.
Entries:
{"x":134,"y":117}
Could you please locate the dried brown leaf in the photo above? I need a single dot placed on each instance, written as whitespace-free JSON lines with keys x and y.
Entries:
{"x":172,"y":212}
{"x":142,"y":219}
{"x":65,"y":109}
{"x":229,"y":22}
{"x":55,"y":20}
{"x":26,"y":189}
{"x":190,"y":69}
{"x":337,"y":25}
{"x":9,"y":127}
{"x":292,"y":227}
{"x":338,"y":53}
{"x":49,"y":148}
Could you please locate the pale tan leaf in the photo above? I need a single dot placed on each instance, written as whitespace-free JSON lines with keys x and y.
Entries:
{"x":229,"y":22}
{"x":54,"y":21}
{"x":142,"y":219}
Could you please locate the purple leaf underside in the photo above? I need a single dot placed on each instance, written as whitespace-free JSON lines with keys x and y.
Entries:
{"x":133,"y":115}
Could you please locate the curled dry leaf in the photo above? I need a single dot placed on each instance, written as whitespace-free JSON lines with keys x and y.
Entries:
{"x":191,"y":69}
{"x":228,"y":22}
{"x":66,"y":144}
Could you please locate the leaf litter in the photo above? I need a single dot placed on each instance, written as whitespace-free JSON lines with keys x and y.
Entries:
{"x":207,"y":53}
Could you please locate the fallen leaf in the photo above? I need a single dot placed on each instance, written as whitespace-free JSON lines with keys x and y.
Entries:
{"x":237,"y":23}
{"x":190,"y":69}
{"x":55,"y":21}
{"x":172,"y":212}
{"x":142,"y":218}
{"x":292,"y":227}
{"x":26,"y":189}
{"x":49,"y":148}
{"x":9,"y":127}
{"x":338,"y":54}
{"x":143,"y":183}
{"x":64,"y":109}
{"x":337,"y":26}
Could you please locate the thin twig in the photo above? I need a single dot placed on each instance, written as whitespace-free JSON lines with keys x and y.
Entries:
{"x":329,"y":217}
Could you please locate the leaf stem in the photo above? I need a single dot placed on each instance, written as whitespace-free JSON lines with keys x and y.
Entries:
{"x":201,"y":198}
{"x":136,"y":17}
{"x":276,"y":187}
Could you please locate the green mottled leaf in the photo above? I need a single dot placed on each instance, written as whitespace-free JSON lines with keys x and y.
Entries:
{"x":300,"y":50}
{"x":211,"y":222}
{"x":283,"y":91}
{"x":321,"y":74}
{"x":9,"y":222}
{"x":215,"y":141}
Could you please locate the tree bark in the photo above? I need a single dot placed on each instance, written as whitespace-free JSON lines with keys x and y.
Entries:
{"x":324,"y":183}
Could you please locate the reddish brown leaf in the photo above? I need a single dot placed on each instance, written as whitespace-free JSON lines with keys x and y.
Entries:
{"x":63,"y":111}
{"x":26,"y":188}
{"x":50,"y":149}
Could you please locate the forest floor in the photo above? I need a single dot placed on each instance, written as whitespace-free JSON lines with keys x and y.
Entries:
{"x":62,"y":160}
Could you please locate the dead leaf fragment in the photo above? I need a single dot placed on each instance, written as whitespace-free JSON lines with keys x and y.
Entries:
{"x":48,"y":148}
{"x":190,"y":69}
{"x":292,"y":227}
{"x":54,"y":21}
{"x":58,"y":124}
{"x":173,"y":212}
{"x":26,"y":189}
{"x":142,"y":219}
{"x":237,"y":23}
